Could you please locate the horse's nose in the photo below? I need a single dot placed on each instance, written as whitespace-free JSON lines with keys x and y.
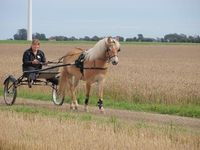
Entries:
{"x":114,"y":62}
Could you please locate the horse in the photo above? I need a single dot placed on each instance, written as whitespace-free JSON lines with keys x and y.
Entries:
{"x":90,"y":66}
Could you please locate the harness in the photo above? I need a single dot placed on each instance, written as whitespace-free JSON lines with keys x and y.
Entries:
{"x":79,"y":63}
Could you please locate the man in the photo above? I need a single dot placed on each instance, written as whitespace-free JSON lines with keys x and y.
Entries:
{"x":33,"y":58}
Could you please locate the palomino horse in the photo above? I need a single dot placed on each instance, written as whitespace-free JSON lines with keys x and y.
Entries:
{"x":90,"y":66}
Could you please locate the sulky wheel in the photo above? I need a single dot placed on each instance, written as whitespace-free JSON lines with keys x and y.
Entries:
{"x":57,"y":98}
{"x":10,"y":90}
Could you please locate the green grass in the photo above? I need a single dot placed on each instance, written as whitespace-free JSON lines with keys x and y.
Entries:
{"x":34,"y":95}
{"x":188,"y":110}
{"x":14,"y":42}
{"x":51,"y":113}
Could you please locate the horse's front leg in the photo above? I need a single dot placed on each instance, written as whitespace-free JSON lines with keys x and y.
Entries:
{"x":88,"y":87}
{"x":73,"y":84}
{"x":100,"y":95}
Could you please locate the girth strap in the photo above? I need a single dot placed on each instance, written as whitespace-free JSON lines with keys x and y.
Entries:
{"x":79,"y":63}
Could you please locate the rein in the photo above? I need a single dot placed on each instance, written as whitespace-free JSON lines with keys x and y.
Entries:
{"x":79,"y":63}
{"x":57,"y":66}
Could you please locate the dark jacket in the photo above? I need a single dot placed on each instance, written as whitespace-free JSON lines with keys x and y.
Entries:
{"x":29,"y":56}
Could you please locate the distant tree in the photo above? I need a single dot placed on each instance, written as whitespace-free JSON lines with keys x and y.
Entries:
{"x":135,"y":39}
{"x":39,"y":36}
{"x":190,"y":39}
{"x":197,"y":39}
{"x":66,"y":38}
{"x":182,"y":38}
{"x":60,"y":38}
{"x":140,"y":37}
{"x":148,"y":40}
{"x":16,"y":37}
{"x":86,"y":38}
{"x":171,"y":37}
{"x":72,"y":38}
{"x":162,"y":40}
{"x":95,"y":38}
{"x":21,"y":35}
{"x":43,"y":36}
{"x":129,"y":39}
{"x":175,"y":37}
{"x":120,"y":38}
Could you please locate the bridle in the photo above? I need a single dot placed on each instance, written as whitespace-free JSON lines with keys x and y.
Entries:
{"x":109,"y":55}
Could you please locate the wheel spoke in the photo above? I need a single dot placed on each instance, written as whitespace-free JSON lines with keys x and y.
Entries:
{"x":56,"y":97}
{"x":10,"y":91}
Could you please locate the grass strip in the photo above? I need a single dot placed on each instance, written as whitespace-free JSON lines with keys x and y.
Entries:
{"x":187,"y":110}
{"x":49,"y":113}
{"x":118,"y":125}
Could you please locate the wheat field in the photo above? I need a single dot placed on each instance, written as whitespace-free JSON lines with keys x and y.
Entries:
{"x":31,"y":131}
{"x":168,"y":74}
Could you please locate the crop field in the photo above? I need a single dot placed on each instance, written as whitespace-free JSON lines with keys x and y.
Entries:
{"x":167,"y":74}
{"x":24,"y":128}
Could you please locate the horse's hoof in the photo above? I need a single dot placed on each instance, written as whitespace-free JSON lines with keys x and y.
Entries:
{"x":86,"y":108}
{"x":76,"y":108}
{"x":72,"y":107}
{"x":102,"y":110}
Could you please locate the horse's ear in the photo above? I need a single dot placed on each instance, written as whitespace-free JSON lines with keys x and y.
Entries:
{"x":109,"y":40}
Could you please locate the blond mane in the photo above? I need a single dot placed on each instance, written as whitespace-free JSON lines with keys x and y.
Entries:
{"x":97,"y":51}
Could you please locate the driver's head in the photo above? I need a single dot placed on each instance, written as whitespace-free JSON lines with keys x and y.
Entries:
{"x":35,"y":45}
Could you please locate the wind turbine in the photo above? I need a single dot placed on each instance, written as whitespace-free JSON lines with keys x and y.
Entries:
{"x":29,"y":33}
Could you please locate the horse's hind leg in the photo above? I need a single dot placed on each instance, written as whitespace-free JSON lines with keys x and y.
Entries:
{"x":88,"y":87}
{"x":73,"y":82}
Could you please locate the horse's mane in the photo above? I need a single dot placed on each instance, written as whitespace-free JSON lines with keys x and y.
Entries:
{"x":96,"y":51}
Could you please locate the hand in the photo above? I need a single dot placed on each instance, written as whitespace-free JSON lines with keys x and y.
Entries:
{"x":44,"y":64}
{"x":35,"y":61}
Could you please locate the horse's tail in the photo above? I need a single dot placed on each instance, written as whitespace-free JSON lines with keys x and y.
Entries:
{"x":63,"y":82}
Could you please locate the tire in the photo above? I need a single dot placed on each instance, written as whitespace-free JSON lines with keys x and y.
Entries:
{"x":10,"y":90}
{"x":57,"y":99}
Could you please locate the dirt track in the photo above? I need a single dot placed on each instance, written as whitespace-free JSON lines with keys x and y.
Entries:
{"x":193,"y":123}
{"x":152,"y":118}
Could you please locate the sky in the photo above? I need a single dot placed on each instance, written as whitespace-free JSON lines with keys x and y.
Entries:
{"x":79,"y":18}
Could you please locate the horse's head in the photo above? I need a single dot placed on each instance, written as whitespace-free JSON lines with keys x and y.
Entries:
{"x":113,"y":47}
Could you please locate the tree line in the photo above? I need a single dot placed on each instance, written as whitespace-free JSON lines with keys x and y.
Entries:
{"x":22,"y":35}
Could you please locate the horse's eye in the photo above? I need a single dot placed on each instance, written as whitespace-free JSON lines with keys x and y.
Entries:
{"x":109,"y":49}
{"x":119,"y":50}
